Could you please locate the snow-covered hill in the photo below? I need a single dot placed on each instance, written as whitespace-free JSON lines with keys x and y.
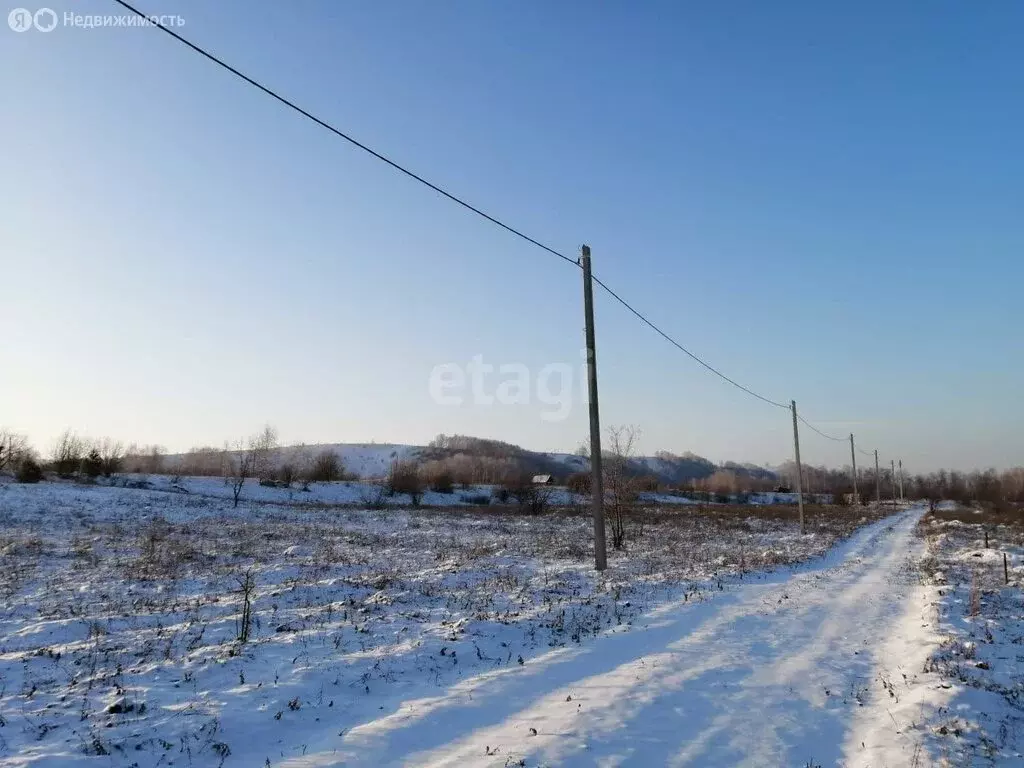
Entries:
{"x":372,"y":460}
{"x":367,"y":460}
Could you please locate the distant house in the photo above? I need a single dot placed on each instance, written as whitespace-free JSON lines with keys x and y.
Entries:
{"x":543,"y":480}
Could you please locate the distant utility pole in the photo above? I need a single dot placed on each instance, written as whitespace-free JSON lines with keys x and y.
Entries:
{"x":901,"y":479}
{"x":853,"y":458}
{"x":893,"y":474}
{"x":596,"y":482}
{"x":878,"y":481}
{"x":799,"y":467}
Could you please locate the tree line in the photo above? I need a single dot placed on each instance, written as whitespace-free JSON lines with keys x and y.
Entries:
{"x":446,"y":464}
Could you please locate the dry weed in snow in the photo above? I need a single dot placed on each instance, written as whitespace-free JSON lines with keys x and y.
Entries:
{"x":981,"y":624}
{"x":156,"y":628}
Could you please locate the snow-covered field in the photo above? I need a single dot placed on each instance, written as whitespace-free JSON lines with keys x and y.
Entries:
{"x":350,"y":492}
{"x":377,"y":636}
{"x":978,"y":606}
{"x":370,"y":494}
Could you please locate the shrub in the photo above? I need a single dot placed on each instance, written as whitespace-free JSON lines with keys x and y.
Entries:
{"x":530,"y":497}
{"x":92,"y":464}
{"x":535,"y":499}
{"x":648,"y":483}
{"x":29,"y":471}
{"x":67,"y":454}
{"x":404,"y":477}
{"x":579,"y":482}
{"x":442,"y":482}
{"x":111,"y":453}
{"x":374,"y":496}
{"x":326,"y":467}
{"x":287,"y":474}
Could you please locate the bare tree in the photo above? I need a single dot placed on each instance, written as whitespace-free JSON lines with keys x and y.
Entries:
{"x":111,"y":455}
{"x":620,"y":482}
{"x":243,"y":460}
{"x":227,"y":461}
{"x":13,"y":448}
{"x":300,"y":461}
{"x":203,"y":460}
{"x":153,"y":459}
{"x":263,"y":446}
{"x":251,"y":457}
{"x":66,"y":454}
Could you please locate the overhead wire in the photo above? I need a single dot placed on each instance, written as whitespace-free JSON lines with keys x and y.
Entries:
{"x":808,"y":424}
{"x":456,"y":199}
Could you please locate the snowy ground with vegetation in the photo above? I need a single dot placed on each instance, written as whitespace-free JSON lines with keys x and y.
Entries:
{"x":974,"y":571}
{"x":364,"y":493}
{"x":122,"y":610}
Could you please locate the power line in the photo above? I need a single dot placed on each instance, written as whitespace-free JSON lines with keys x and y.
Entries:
{"x":815,"y":429}
{"x":454,"y":198}
{"x":355,"y":142}
{"x":684,"y":350}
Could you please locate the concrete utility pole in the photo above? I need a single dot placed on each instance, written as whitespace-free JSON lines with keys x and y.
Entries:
{"x":892,"y":462}
{"x":878,"y":481}
{"x":853,"y":458}
{"x":901,"y":479}
{"x":799,"y":467}
{"x":596,"y":482}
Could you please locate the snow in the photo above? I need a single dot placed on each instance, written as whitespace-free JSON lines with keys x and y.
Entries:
{"x":351,"y":492}
{"x":766,"y":674}
{"x":442,"y":637}
{"x":369,"y":460}
{"x":366,"y":460}
{"x":359,"y":492}
{"x":975,"y":660}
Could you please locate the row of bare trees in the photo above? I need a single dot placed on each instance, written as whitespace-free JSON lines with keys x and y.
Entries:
{"x":74,"y":455}
{"x":256,"y":457}
{"x":990,"y":487}
{"x":14,"y":448}
{"x":1000,"y":488}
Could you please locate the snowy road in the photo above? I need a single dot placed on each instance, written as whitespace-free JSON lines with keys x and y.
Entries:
{"x":794,"y":668}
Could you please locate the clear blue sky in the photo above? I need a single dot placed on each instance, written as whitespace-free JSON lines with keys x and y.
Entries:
{"x":825,"y":200}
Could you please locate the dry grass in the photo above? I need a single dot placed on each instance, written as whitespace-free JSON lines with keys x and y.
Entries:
{"x":136,"y":595}
{"x":979,"y":619}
